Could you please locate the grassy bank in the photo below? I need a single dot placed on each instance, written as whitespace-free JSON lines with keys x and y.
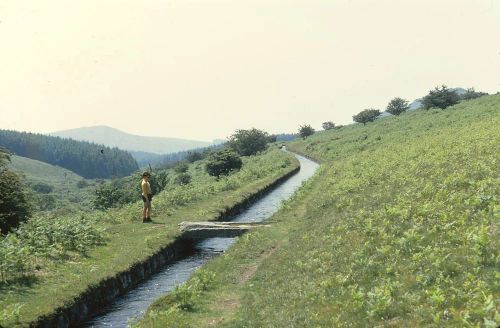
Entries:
{"x":57,"y":281}
{"x":400,"y":228}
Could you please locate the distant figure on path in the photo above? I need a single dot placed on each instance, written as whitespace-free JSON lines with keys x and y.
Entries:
{"x":147,"y":196}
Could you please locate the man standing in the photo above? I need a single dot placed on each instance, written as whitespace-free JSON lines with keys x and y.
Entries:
{"x":147,"y":196}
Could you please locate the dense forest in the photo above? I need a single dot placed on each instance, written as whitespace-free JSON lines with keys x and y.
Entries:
{"x":86,"y":159}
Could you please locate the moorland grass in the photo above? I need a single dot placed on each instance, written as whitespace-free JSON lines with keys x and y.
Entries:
{"x":66,"y":193}
{"x":127,"y":241}
{"x":399,"y":227}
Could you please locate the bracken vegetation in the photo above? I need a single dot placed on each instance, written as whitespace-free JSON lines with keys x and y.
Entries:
{"x":409,"y":230}
{"x":400,"y":227}
{"x":44,"y":239}
{"x":51,"y":259}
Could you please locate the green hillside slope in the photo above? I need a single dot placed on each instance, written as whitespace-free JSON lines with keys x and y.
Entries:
{"x":399,"y":228}
{"x":42,"y":171}
{"x":69,"y":189}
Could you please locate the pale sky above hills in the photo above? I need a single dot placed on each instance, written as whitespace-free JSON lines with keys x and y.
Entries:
{"x":201,"y":69}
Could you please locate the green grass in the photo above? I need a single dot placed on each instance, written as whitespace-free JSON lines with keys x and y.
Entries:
{"x":398,"y":228}
{"x":66,"y":194}
{"x":128,"y":241}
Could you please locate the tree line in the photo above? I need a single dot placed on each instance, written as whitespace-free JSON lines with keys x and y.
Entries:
{"x":440,"y":97}
{"x":87,"y":159}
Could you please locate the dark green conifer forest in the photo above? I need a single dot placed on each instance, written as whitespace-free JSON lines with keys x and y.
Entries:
{"x":84,"y":158}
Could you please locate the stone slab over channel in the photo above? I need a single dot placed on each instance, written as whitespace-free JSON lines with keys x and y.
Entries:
{"x":203,"y":230}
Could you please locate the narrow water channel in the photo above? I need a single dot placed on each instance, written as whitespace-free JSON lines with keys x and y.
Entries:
{"x":132,"y":305}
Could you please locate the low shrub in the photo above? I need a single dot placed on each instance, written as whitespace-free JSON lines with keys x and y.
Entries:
{"x":223,"y":162}
{"x":43,"y":188}
{"x":183,"y":179}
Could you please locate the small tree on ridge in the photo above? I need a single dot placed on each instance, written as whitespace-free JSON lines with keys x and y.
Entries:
{"x":440,"y":97}
{"x":368,"y":115}
{"x":305,"y":131}
{"x":397,"y":106}
{"x":328,"y":125}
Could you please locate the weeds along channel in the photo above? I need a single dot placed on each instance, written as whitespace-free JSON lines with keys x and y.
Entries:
{"x":42,"y":272}
{"x":399,"y":227}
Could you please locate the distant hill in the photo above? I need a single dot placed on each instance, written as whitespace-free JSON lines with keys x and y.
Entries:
{"x":115,"y":138}
{"x":286,"y":137}
{"x":161,"y":160}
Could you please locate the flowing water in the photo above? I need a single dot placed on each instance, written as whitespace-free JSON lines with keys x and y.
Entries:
{"x":132,"y":305}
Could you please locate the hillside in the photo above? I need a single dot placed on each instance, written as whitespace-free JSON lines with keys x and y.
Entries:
{"x":87,"y":159}
{"x":115,"y":138}
{"x":399,"y":228}
{"x":69,"y":189}
{"x":41,"y":171}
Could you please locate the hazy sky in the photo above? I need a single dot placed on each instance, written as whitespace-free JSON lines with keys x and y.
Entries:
{"x":201,"y":69}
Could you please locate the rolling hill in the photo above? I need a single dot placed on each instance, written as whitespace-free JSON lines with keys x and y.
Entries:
{"x":41,"y":171}
{"x":69,"y":190}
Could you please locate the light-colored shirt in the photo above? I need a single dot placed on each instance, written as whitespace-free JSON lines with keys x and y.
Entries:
{"x":146,"y":188}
